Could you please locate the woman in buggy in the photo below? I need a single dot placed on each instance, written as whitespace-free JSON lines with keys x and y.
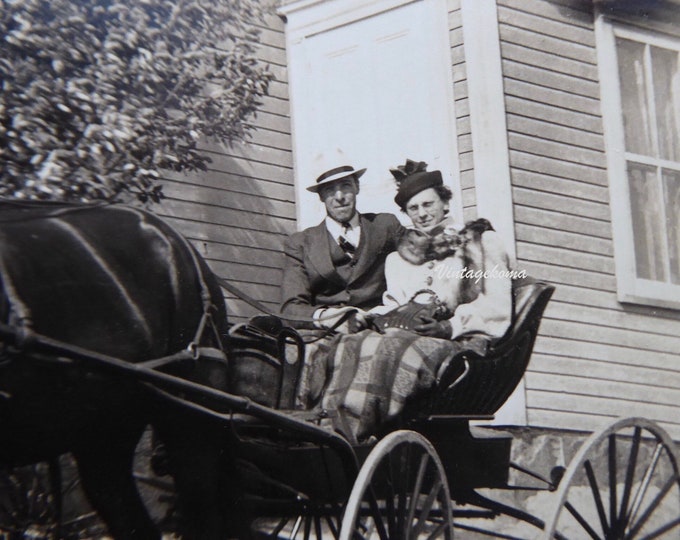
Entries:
{"x":448,"y":289}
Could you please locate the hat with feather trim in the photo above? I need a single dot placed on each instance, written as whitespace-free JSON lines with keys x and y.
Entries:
{"x":412,"y":178}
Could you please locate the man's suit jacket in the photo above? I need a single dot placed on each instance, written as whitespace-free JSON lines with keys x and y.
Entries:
{"x":311,"y":281}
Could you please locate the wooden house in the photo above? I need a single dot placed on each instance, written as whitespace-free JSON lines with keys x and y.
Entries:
{"x":559,"y":120}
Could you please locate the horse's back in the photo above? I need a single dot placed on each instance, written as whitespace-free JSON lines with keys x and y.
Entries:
{"x":109,"y":278}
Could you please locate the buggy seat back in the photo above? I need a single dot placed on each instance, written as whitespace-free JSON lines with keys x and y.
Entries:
{"x":474,"y":385}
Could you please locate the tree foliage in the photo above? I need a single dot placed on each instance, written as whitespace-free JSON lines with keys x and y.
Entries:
{"x":98,"y":96}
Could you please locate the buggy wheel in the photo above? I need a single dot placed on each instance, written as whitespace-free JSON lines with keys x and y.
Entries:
{"x":401,"y":492}
{"x":30,"y":503}
{"x":313,"y":526}
{"x":622,"y":484}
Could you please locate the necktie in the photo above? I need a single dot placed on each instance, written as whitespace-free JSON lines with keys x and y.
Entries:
{"x":346,"y":246}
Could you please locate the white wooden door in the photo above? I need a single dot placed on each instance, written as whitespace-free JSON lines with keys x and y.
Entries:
{"x":379,"y":88}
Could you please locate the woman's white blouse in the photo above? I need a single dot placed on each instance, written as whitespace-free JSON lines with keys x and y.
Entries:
{"x":490,"y":313}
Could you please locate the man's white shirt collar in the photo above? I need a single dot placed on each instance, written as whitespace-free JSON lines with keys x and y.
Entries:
{"x":353,"y":233}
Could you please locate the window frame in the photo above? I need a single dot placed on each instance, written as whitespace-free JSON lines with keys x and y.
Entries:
{"x":630,"y":288}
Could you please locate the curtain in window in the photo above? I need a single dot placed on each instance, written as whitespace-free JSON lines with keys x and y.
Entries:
{"x":648,"y":223}
{"x":671,"y":184}
{"x":650,"y":94}
{"x":634,"y":99}
{"x":666,"y":80}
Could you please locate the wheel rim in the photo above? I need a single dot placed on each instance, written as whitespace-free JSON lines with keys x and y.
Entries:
{"x":401,"y":492}
{"x":622,"y":484}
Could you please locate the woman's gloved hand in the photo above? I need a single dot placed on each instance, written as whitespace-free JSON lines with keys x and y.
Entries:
{"x":432,"y":328}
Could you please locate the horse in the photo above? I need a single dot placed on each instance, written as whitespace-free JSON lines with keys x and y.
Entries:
{"x":118,"y":281}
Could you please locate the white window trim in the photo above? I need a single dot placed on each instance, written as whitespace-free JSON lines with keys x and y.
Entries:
{"x":490,"y":153}
{"x":630,"y":288}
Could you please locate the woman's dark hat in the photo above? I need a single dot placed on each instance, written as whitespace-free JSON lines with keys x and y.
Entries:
{"x":335,"y":174}
{"x":412,"y":178}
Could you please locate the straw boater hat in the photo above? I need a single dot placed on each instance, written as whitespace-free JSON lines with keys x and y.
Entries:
{"x":330,"y":167}
{"x":335,"y":174}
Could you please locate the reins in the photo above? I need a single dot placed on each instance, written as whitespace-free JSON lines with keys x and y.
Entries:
{"x":264,"y":309}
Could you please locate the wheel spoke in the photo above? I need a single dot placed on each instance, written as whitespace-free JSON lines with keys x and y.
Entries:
{"x":308,"y":528}
{"x":331,"y":526}
{"x":595,"y":490}
{"x":282,"y":523}
{"x":413,"y":503}
{"x":427,"y":507}
{"x":418,"y":488}
{"x":613,"y":520}
{"x":630,"y":476}
{"x":390,"y":512}
{"x":402,"y":496}
{"x":653,"y":506}
{"x":377,"y":516}
{"x":391,"y":479}
{"x":578,"y":517}
{"x":296,"y":527}
{"x":317,"y":527}
{"x":646,"y":479}
{"x":438,"y":532}
{"x":662,"y":530}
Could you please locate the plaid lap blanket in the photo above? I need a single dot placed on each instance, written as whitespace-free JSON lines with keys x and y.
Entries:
{"x":370,"y":376}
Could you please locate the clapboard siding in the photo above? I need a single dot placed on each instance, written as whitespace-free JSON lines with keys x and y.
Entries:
{"x":520,"y":70}
{"x":624,"y":337}
{"x":561,"y":221}
{"x":528,"y":107}
{"x":462,"y":110}
{"x":567,"y":240}
{"x":226,"y":214}
{"x":234,"y":181}
{"x":200,"y":231}
{"x":232,"y":200}
{"x":229,"y":159}
{"x":544,"y":129}
{"x":561,"y":202}
{"x":575,"y":13}
{"x":565,"y":153}
{"x":556,"y":184}
{"x":561,"y":98}
{"x":566,"y":309}
{"x":273,"y":124}
{"x":238,"y":213}
{"x":581,"y":412}
{"x":595,"y":358}
{"x":467,"y":179}
{"x":613,"y":355}
{"x":531,"y":161}
{"x":586,"y":385}
{"x":560,"y":274}
{"x":605,"y":371}
{"x":521,"y":16}
{"x":567,"y":258}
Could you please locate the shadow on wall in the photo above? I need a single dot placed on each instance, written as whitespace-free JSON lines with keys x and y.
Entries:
{"x":237,"y":214}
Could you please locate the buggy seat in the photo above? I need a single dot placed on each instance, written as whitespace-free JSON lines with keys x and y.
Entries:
{"x":264,"y":368}
{"x":474,"y":385}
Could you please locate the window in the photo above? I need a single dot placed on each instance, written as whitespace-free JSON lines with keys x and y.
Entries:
{"x":641,"y":78}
